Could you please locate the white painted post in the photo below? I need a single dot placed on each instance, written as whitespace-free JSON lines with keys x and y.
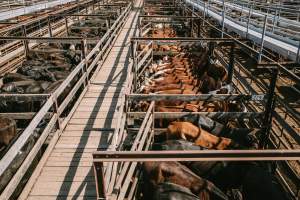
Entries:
{"x":262,"y":39}
{"x":208,"y":3}
{"x":274,"y":21}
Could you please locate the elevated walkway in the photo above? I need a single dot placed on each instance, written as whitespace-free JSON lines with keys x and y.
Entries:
{"x":67,"y":173}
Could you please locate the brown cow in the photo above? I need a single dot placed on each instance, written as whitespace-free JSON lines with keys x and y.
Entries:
{"x":174,"y":172}
{"x":189,"y":131}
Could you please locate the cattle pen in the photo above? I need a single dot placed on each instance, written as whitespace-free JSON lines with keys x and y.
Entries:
{"x":148,"y":99}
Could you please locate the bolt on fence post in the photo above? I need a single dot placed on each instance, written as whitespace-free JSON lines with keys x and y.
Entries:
{"x":262,"y":39}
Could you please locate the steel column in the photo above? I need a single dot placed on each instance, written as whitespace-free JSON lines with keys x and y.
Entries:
{"x":262,"y":39}
{"x":49,"y":27}
{"x":223,"y":18}
{"x":231,"y":64}
{"x":269,"y":108}
{"x":298,"y":54}
{"x":248,"y":22}
{"x":25,"y":42}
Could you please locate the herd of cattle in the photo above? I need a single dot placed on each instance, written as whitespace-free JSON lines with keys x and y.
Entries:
{"x":91,"y":27}
{"x":189,"y":74}
{"x":168,"y":31}
{"x":41,"y":72}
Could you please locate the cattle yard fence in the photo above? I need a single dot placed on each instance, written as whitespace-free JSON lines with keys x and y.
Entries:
{"x":118,"y":171}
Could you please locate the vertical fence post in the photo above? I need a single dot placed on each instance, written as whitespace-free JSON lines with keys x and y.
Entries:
{"x":133,"y":56}
{"x":262,"y":39}
{"x":192,"y":26}
{"x":99,"y":176}
{"x":204,"y":14}
{"x":152,"y":46}
{"x":101,"y":53}
{"x":153,"y":117}
{"x":211,"y":49}
{"x":139,"y":26}
{"x":49,"y":26}
{"x":107,"y":23}
{"x":85,"y":67}
{"x":132,"y":48}
{"x":270,"y":105}
{"x":199,"y":28}
{"x":55,"y":110}
{"x":67,"y":28}
{"x":274,"y":21}
{"x":248,"y":22}
{"x":231,"y":63}
{"x":25,"y":42}
{"x":298,"y":54}
{"x":208,"y":4}
{"x":223,"y":18}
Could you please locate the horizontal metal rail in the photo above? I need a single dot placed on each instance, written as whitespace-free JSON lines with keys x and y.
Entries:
{"x":24,"y":97}
{"x":195,"y":97}
{"x":214,"y":115}
{"x":189,"y":155}
{"x":168,"y":16}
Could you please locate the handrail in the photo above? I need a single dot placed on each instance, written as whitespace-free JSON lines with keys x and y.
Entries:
{"x":32,"y":8}
{"x":281,"y":47}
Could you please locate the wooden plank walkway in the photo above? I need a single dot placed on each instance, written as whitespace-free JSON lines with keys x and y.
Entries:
{"x":68,"y":173}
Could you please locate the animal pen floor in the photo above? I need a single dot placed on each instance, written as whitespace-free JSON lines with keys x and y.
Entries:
{"x":67,"y":172}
